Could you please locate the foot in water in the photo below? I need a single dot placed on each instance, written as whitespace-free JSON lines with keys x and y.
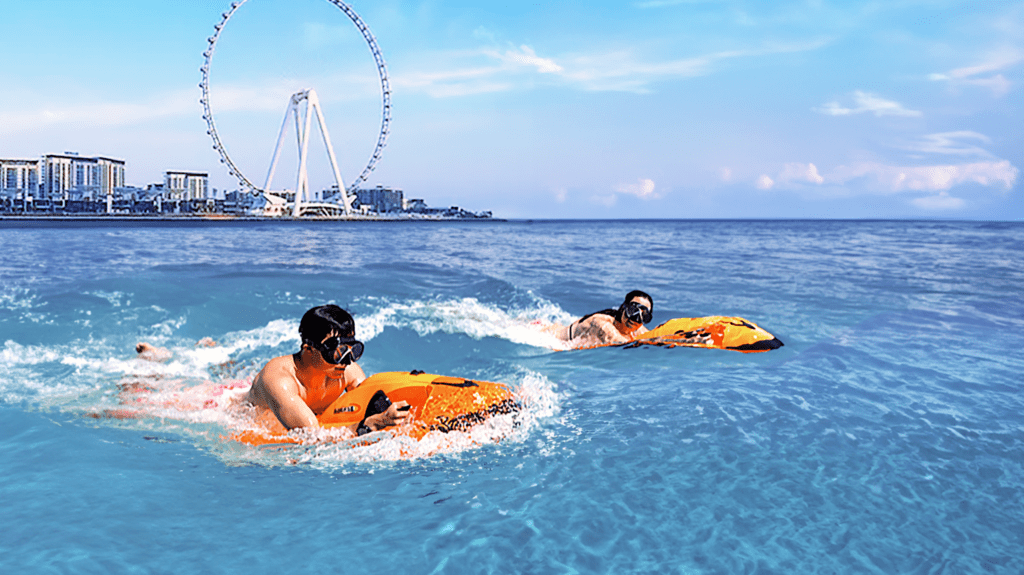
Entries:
{"x":150,"y":352}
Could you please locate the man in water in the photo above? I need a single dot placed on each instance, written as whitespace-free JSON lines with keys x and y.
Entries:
{"x":294,"y":389}
{"x":291,"y":390}
{"x":610,"y":326}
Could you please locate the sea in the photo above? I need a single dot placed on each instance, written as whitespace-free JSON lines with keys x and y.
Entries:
{"x":886,"y":436}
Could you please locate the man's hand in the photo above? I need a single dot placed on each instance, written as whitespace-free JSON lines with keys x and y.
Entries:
{"x":397,"y":414}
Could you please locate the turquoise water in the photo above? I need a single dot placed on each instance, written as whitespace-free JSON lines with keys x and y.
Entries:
{"x":887,"y":436}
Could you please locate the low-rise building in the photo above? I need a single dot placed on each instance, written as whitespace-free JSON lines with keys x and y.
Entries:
{"x":381,"y":199}
{"x":18,"y":178}
{"x":179,"y":185}
{"x":69,"y":176}
{"x":415,"y":206}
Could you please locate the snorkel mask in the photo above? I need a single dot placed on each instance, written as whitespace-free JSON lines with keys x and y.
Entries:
{"x":339,"y":350}
{"x":636,"y":312}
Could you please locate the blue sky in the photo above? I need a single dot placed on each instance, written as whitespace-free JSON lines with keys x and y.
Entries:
{"x":645,"y":109}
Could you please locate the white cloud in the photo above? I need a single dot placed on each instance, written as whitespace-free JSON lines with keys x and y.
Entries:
{"x":273,"y":96}
{"x":525,"y":56}
{"x":764,"y":183}
{"x":100,"y":114}
{"x":504,"y":76}
{"x":867,"y":102}
{"x":643,"y":189}
{"x":520,"y":67}
{"x":796,"y":172}
{"x":942,"y":201}
{"x":458,"y":82}
{"x":893,"y":179}
{"x":951,"y":143}
{"x":622,"y":71}
{"x":560,"y":194}
{"x":606,"y":201}
{"x":725,"y":174}
{"x":981,"y":74}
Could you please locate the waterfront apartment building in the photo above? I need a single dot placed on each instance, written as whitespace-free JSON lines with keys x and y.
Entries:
{"x":381,"y":199}
{"x":19,"y":178}
{"x":69,"y":176}
{"x":186,"y":185}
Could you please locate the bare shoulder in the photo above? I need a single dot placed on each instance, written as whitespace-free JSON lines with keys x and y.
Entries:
{"x":603,"y":324}
{"x":597,"y":329}
{"x":276,"y":377}
{"x":610,"y":333}
{"x":595,"y":321}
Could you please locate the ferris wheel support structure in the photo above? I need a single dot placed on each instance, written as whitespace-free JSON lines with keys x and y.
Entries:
{"x":382,"y":137}
{"x":303,"y":123}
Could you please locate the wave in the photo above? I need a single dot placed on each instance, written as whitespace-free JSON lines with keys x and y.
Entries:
{"x":194,"y":393}
{"x":466,"y":316}
{"x":93,"y":363}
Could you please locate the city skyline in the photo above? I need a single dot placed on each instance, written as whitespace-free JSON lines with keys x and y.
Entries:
{"x":658,"y":108}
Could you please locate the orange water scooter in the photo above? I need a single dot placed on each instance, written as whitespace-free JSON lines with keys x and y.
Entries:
{"x":436,"y":403}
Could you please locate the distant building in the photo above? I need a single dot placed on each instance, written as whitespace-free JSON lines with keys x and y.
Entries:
{"x":186,"y":185}
{"x":18,"y":177}
{"x":381,"y":199}
{"x":69,"y":183}
{"x":69,"y":176}
{"x":416,"y":206}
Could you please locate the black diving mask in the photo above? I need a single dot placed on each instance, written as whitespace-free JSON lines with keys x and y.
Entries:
{"x":339,"y":350}
{"x":636,"y":312}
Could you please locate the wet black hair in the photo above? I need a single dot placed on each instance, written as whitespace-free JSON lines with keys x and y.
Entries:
{"x":617,"y":312}
{"x":642,"y":294}
{"x":322,"y":320}
{"x":630,"y":296}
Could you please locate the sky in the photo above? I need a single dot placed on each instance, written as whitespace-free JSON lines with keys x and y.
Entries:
{"x":602,"y":109}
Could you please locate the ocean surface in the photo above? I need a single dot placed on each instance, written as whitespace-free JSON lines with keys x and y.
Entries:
{"x":887,"y":436}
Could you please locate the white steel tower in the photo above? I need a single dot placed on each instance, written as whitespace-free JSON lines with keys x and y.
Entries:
{"x":303,"y":117}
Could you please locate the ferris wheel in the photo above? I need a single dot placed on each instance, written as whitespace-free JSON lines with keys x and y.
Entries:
{"x":382,"y":72}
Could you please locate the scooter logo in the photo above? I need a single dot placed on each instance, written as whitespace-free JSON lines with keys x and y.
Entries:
{"x":346,"y":409}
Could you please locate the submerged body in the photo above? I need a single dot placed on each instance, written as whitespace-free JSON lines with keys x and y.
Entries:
{"x":292,"y":390}
{"x":609,"y":326}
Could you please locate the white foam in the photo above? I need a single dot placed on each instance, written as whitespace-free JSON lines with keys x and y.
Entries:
{"x":15,"y":354}
{"x":18,"y":298}
{"x":539,"y":401}
{"x":174,"y":400}
{"x":466,"y":316}
{"x":177,"y":398}
{"x":334,"y":449}
{"x":114,"y":298}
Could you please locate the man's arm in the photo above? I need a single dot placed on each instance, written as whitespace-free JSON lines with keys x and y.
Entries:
{"x":279,"y":389}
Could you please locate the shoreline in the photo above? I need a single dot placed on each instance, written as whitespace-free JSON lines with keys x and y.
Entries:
{"x":219,"y":218}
